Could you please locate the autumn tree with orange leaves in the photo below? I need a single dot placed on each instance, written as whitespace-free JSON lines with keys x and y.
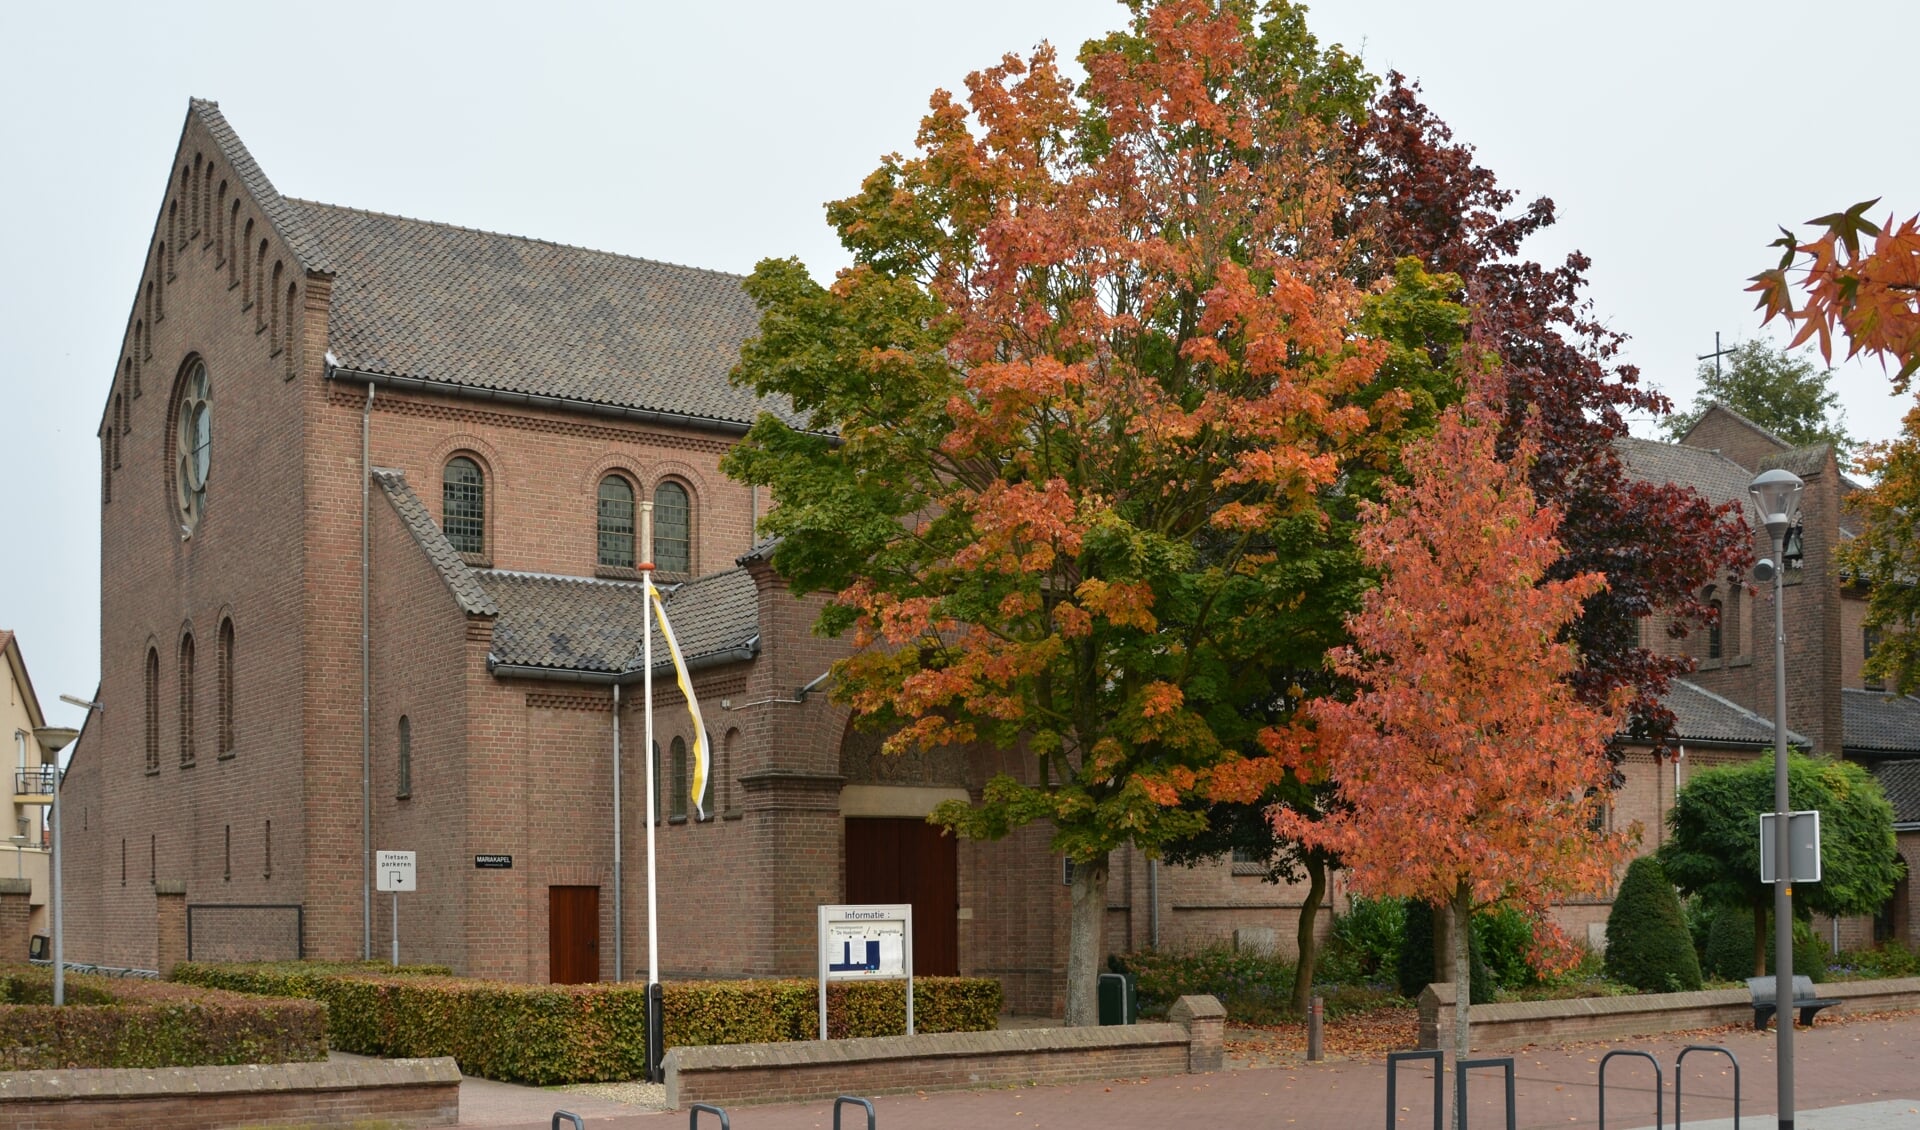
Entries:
{"x":1066,"y":429}
{"x":1468,"y":771}
{"x":1860,"y":280}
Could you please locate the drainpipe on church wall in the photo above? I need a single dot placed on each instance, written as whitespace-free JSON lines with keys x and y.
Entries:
{"x":366,"y":690}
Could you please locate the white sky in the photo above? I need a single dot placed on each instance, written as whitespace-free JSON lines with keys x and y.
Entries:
{"x":1674,"y":136}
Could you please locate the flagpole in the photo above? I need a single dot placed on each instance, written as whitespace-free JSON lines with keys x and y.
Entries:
{"x":654,"y":1040}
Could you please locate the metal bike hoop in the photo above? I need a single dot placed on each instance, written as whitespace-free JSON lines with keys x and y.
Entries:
{"x":1678,"y":1079}
{"x":1659,"y":1086}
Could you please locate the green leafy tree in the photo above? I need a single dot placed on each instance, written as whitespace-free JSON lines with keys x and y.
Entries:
{"x":1788,"y":394}
{"x":1648,"y":945}
{"x":1072,"y":419}
{"x":1714,"y":849}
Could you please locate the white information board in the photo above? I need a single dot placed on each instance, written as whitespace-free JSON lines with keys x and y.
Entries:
{"x":866,"y":943}
{"x":393,"y":871}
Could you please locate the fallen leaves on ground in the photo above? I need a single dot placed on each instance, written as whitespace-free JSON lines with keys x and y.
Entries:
{"x":1367,"y":1035}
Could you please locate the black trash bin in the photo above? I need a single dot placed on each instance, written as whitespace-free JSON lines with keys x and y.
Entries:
{"x":1118,"y":1002}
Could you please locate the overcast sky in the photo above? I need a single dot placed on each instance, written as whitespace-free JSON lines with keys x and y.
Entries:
{"x":1674,"y":136}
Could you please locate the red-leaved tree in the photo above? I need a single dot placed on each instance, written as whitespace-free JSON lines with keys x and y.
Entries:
{"x":1468,"y":771}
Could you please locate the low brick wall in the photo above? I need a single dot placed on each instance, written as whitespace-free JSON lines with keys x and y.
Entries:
{"x":732,"y":1074}
{"x":402,"y":1092}
{"x":1516,"y":1023}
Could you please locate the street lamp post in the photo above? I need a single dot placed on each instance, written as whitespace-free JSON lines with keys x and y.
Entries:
{"x":54,"y":739}
{"x":1777,"y":494}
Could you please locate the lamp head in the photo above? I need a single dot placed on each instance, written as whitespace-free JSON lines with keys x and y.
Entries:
{"x":1777,"y":494}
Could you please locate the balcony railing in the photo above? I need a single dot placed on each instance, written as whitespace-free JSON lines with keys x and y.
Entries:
{"x":38,"y":781}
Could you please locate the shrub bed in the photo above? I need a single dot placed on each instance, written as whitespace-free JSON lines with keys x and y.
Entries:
{"x":546,"y":1034}
{"x":134,"y":1023}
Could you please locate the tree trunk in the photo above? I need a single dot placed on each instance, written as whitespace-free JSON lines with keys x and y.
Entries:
{"x":1086,"y":941}
{"x":1759,"y":939}
{"x":1462,"y":921}
{"x":1308,"y":939}
{"x":1442,"y":942}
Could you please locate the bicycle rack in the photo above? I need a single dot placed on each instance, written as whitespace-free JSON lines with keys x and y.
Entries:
{"x":570,"y":1117}
{"x":846,"y":1100}
{"x":1460,"y":1069}
{"x":1678,"y":1079}
{"x":1394,"y":1060}
{"x":1659,"y":1086}
{"x":693,"y":1116}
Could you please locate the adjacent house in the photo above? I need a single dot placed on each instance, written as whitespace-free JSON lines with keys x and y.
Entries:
{"x":34,"y":775}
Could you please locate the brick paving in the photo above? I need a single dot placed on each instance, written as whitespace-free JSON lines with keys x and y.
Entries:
{"x":1854,"y":1062}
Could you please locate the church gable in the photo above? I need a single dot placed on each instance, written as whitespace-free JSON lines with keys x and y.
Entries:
{"x":221,"y":218}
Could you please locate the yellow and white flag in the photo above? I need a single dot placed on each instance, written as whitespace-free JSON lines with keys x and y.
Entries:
{"x":699,"y":786}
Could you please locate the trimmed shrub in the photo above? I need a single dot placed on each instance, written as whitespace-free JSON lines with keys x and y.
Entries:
{"x":1729,"y":955}
{"x":1366,"y":942}
{"x":1648,"y":946}
{"x":1415,"y":967}
{"x":138,"y":1023}
{"x":545,"y":1034}
{"x":1254,"y":988}
{"x":1504,"y":938}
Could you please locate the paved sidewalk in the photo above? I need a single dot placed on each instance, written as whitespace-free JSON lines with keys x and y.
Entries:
{"x":1854,"y":1062}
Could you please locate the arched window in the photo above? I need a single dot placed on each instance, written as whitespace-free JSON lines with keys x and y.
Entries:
{"x":403,"y":761}
{"x":149,"y":307}
{"x":142,"y":346}
{"x":130,"y":376}
{"x":192,"y":446}
{"x":463,"y":498}
{"x":1716,"y":636}
{"x":193,"y":218}
{"x":106,"y":467}
{"x":186,"y":701}
{"x":672,"y":543}
{"x":222,"y":233}
{"x":273,"y":323}
{"x":246,"y":265}
{"x":160,"y":292}
{"x":681,"y":784}
{"x":116,"y":427}
{"x":233,"y":235}
{"x":173,"y":211}
{"x":286,"y":343}
{"x":259,"y":289}
{"x":153,"y":710}
{"x":224,"y":662}
{"x":616,"y":522}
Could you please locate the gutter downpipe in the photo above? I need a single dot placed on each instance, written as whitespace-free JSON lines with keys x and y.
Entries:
{"x":619,"y":919}
{"x":366,"y":689}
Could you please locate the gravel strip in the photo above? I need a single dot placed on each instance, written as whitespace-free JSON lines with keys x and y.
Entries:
{"x":652,"y":1096}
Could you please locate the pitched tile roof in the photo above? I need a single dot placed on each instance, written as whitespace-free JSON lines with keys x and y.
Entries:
{"x":591,"y":625}
{"x":1702,"y":716}
{"x":481,"y":310}
{"x":1880,"y":723}
{"x":1712,"y":474}
{"x":1738,"y":417}
{"x":1900,"y":780}
{"x":413,"y":513}
{"x":279,"y":212}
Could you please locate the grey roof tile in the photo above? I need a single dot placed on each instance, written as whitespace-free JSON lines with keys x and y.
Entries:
{"x":477,"y":309}
{"x":1803,"y":461}
{"x":446,"y":559}
{"x":1900,"y":780}
{"x":278,"y":210}
{"x":1712,"y":474}
{"x":1703,"y":716}
{"x":591,"y":625}
{"x":1877,"y":722}
{"x":1765,"y":433}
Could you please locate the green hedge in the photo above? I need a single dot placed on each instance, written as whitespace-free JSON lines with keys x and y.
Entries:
{"x":1648,"y":945}
{"x":138,"y":1023}
{"x":546,"y":1034}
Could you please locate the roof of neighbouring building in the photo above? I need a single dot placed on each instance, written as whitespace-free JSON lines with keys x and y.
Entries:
{"x":1900,"y":780}
{"x":1877,"y":722}
{"x":476,"y":309}
{"x":1703,"y":716}
{"x":594,"y":625}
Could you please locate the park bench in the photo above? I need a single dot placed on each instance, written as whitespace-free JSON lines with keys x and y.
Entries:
{"x":1765,"y":999}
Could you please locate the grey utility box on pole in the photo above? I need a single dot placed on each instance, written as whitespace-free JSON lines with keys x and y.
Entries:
{"x":1803,"y":846}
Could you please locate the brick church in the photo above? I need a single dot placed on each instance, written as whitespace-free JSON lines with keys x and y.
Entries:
{"x":368,"y":493}
{"x":368,"y":520}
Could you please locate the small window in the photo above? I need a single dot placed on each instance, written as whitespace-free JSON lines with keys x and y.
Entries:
{"x":672,"y":543}
{"x":186,"y":701}
{"x":681,"y":783}
{"x":153,"y":710}
{"x":463,"y":497}
{"x":1716,"y":631}
{"x":403,"y":764}
{"x":225,"y":663}
{"x":616,"y":523}
{"x":1870,"y":643}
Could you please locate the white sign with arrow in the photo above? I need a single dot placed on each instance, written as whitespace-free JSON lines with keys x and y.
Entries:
{"x":394,"y":871}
